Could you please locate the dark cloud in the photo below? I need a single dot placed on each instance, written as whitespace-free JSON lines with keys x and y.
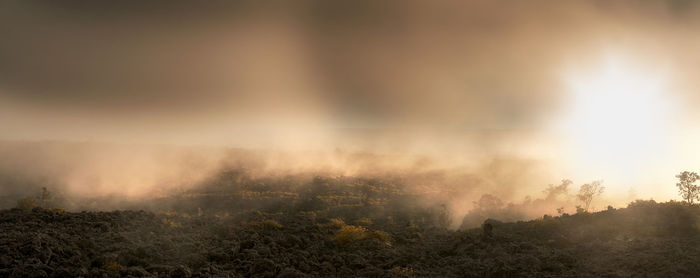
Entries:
{"x":389,"y":64}
{"x":466,"y":81}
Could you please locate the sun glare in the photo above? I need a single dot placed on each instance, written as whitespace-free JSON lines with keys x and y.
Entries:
{"x":617,"y":118}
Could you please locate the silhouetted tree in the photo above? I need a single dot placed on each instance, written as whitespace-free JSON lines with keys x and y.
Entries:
{"x":589,"y":191}
{"x":687,"y":187}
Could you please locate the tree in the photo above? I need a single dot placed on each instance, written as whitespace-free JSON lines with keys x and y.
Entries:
{"x":687,"y":187}
{"x":589,"y":191}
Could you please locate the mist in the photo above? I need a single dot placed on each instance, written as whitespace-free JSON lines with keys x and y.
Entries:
{"x":132,"y":99}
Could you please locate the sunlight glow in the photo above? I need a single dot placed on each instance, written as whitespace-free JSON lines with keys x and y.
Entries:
{"x":617,"y":119}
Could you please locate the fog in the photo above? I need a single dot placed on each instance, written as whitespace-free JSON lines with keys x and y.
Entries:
{"x":132,"y":99}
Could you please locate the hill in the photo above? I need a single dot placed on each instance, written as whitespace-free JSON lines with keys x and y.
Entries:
{"x":644,"y":239}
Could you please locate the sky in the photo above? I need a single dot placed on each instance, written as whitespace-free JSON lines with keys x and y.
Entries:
{"x":592,"y":89}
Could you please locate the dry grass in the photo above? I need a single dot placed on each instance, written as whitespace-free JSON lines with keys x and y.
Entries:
{"x":112,"y":266}
{"x":171,"y":223}
{"x":379,"y":235}
{"x":333,"y":223}
{"x":349,"y":234}
{"x":402,"y":271}
{"x":59,"y":210}
{"x":26,"y":203}
{"x":267,"y":224}
{"x":365,"y":222}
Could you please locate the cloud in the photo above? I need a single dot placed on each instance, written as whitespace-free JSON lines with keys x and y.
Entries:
{"x":452,"y":78}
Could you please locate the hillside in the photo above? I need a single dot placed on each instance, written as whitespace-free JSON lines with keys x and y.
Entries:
{"x":647,"y":239}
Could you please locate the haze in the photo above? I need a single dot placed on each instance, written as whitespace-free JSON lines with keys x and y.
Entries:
{"x":537,"y":90}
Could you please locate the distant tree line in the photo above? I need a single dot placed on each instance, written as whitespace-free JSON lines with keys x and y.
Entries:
{"x":555,"y":197}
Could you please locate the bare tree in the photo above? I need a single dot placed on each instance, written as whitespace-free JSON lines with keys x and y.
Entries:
{"x":589,"y":191}
{"x":687,"y":187}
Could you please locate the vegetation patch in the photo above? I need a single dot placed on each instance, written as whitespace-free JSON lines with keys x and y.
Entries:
{"x":266,"y":224}
{"x":349,"y":234}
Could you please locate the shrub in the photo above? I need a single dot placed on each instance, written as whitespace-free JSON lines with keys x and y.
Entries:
{"x":271,"y":224}
{"x":171,"y":223}
{"x":364,"y":222}
{"x":45,"y":198}
{"x":311,"y":215}
{"x":267,"y":224}
{"x":59,"y":210}
{"x":312,"y":204}
{"x":379,"y":235}
{"x":166,"y":213}
{"x":402,"y":271}
{"x":26,"y":203}
{"x":348,"y":234}
{"x":334,"y":223}
{"x":112,"y":266}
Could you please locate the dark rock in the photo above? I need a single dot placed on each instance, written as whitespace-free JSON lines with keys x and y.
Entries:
{"x":290,"y":273}
{"x":263,"y":266}
{"x":181,"y":271}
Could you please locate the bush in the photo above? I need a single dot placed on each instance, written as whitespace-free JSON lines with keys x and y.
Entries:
{"x":59,"y":210}
{"x":665,"y":219}
{"x":364,"y":222}
{"x":334,"y":223}
{"x":379,"y":235}
{"x":312,"y":204}
{"x":402,"y":271}
{"x":266,"y":224}
{"x":348,"y":234}
{"x":26,"y":203}
{"x":171,"y":223}
{"x":112,"y":266}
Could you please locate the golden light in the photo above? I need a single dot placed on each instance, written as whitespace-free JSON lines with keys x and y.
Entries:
{"x":617,"y":119}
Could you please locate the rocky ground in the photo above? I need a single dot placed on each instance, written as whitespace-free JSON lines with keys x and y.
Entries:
{"x":54,"y":243}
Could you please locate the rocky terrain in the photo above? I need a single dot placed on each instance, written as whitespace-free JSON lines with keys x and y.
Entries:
{"x":54,"y":243}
